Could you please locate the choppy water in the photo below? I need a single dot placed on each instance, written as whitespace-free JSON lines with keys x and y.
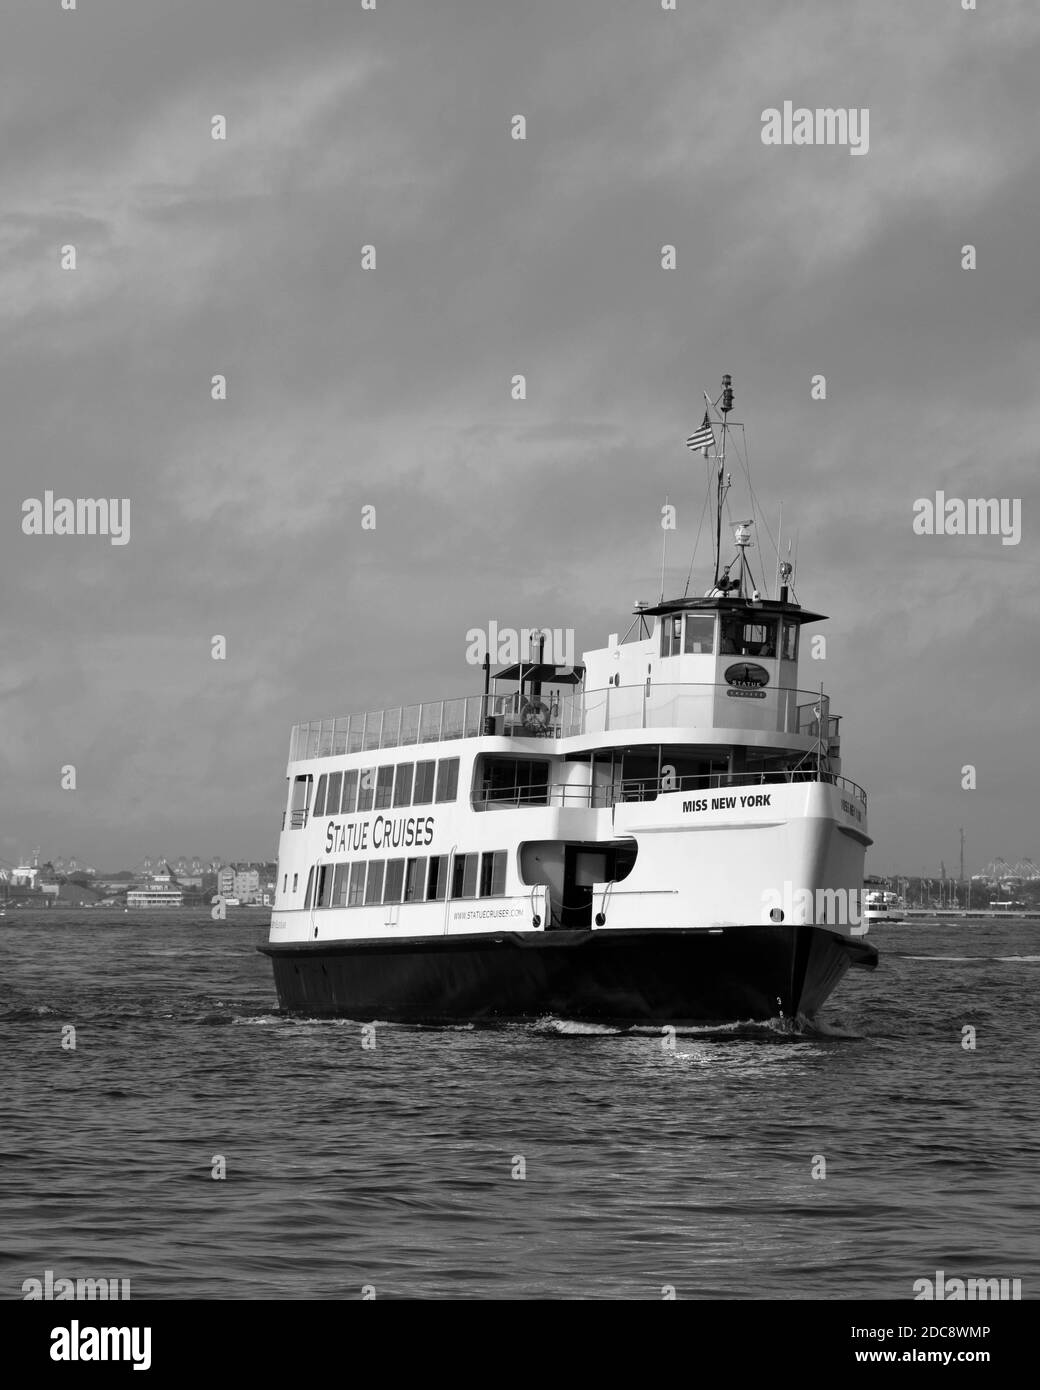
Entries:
{"x":393,"y":1166}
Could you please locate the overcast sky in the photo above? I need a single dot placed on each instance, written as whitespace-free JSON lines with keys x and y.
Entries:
{"x":391,"y":387}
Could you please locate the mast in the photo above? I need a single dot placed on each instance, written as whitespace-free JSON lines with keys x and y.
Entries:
{"x":724,"y":408}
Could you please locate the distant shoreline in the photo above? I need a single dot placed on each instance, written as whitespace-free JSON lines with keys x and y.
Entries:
{"x":990,"y":915}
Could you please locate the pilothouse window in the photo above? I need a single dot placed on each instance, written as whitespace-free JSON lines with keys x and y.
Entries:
{"x":741,"y":637}
{"x":695,"y":635}
{"x":790,"y":650}
{"x":700,"y":634}
{"x":671,"y":635}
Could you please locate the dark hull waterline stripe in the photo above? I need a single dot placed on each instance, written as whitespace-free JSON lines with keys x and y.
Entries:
{"x":648,"y":976}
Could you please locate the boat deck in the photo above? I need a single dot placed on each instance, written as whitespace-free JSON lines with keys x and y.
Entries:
{"x":678,"y":706}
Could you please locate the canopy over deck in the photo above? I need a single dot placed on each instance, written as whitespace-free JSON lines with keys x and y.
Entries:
{"x":541,"y":672}
{"x":725,"y":604}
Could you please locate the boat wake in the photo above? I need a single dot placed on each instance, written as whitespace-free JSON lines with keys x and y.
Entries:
{"x":1029,"y":960}
{"x":799,"y":1029}
{"x":575,"y":1028}
{"x":28,"y":1013}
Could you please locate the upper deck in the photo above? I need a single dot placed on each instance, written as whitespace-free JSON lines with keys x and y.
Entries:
{"x":722,"y":667}
{"x":674,"y":705}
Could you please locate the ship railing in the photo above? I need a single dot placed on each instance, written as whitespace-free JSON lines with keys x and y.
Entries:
{"x":586,"y":796}
{"x":809,"y":721}
{"x":563,"y":715}
{"x":649,"y":788}
{"x":401,"y":726}
{"x":770,"y":709}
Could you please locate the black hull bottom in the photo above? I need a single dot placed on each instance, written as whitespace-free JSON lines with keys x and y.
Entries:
{"x":665,"y":976}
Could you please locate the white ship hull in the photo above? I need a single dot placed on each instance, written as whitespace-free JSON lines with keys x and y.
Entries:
{"x":740,"y":903}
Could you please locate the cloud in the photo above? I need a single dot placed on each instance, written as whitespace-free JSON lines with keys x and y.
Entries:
{"x":392,"y":387}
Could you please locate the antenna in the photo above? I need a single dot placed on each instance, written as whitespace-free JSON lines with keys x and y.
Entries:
{"x":664,"y":548}
{"x":742,"y":538}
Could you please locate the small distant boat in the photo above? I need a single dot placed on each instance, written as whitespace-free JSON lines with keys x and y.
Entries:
{"x":155,"y":897}
{"x":880,"y":905}
{"x":232,"y":902}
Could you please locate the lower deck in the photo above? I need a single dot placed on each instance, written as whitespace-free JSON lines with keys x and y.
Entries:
{"x":783,"y":853}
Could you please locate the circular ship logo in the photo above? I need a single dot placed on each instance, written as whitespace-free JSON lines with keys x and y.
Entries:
{"x":747,"y":675}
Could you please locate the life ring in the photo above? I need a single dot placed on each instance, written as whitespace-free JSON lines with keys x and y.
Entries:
{"x":534,"y":714}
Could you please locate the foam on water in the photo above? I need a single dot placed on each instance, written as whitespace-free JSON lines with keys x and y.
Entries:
{"x":573,"y":1028}
{"x":946,"y":958}
{"x":959,"y":959}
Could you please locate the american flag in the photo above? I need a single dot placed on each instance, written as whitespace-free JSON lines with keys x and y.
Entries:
{"x":702,"y":437}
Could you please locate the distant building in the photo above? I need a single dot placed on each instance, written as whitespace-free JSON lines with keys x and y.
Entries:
{"x":241,"y":881}
{"x":247,"y":884}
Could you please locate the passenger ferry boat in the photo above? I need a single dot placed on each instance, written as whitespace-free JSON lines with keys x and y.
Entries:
{"x":880,"y":904}
{"x":659,"y":834}
{"x":155,"y":897}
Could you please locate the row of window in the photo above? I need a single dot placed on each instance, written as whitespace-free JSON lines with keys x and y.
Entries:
{"x":367,"y":883}
{"x":373,"y":788}
{"x":740,"y":636}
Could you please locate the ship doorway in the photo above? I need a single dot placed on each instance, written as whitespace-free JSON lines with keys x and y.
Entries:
{"x":575,"y":911}
{"x":571,"y":871}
